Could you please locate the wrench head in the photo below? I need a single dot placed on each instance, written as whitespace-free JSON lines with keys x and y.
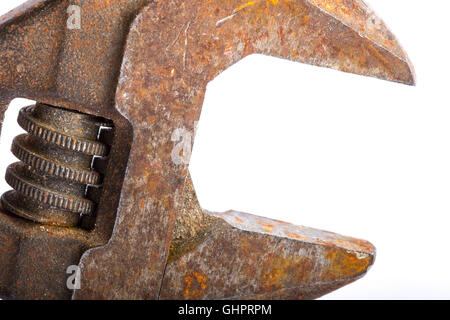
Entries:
{"x":161,"y":90}
{"x":151,"y":239}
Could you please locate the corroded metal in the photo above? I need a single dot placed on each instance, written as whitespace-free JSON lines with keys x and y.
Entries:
{"x":145,"y":66}
{"x":50,"y":182}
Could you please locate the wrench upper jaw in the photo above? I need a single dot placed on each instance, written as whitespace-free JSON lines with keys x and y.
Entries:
{"x":374,"y":36}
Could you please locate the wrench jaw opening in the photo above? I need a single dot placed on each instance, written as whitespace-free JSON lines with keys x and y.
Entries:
{"x":149,"y":240}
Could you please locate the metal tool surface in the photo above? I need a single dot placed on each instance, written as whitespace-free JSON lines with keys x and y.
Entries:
{"x":119,"y":88}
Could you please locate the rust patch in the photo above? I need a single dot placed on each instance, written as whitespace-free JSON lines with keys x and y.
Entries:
{"x":196,"y":285}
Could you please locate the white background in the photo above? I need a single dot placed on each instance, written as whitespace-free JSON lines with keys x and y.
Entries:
{"x":335,"y":151}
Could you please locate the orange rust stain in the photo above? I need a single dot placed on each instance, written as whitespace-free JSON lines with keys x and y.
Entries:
{"x":143,"y":92}
{"x":228,"y":51}
{"x":238,"y":220}
{"x":296,"y":236}
{"x":196,"y":284}
{"x":342,"y":242}
{"x":345,"y":11}
{"x":267,"y":225}
{"x":252,"y":3}
{"x":285,"y":271}
{"x":272,"y":279}
{"x":306,"y":19}
{"x":326,"y":243}
{"x":345,"y":264}
{"x":268,"y":230}
{"x":388,"y":43}
{"x":245,"y":247}
{"x":245,"y":5}
{"x":162,"y":89}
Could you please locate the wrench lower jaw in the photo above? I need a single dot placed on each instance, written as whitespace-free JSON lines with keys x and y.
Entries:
{"x":34,"y":258}
{"x":250,"y":257}
{"x":235,"y":255}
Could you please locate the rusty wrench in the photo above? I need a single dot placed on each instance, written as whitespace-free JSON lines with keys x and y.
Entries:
{"x":144,"y":67}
